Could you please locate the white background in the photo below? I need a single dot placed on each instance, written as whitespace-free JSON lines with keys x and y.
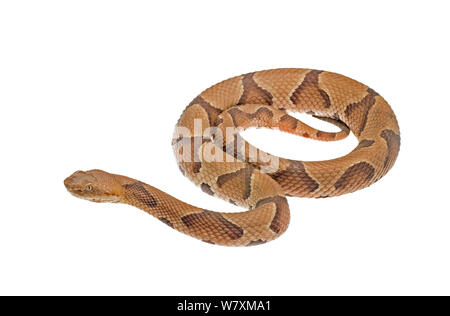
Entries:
{"x":100,"y":84}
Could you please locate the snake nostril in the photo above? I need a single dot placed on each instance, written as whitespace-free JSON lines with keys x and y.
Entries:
{"x":68,"y":182}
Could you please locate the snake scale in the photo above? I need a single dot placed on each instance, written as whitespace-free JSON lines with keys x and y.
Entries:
{"x":232,"y":169}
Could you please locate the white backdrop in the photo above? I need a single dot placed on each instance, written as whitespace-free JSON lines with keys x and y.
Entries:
{"x":100,"y":84}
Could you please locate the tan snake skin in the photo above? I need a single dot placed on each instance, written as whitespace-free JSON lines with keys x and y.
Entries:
{"x":240,"y":173}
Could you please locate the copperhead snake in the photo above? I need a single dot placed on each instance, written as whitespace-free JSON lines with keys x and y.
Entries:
{"x":241,"y":173}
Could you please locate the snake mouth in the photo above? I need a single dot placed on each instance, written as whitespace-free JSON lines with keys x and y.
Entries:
{"x":81,"y":194}
{"x":74,"y":190}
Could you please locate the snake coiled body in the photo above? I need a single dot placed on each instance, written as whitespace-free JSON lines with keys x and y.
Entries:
{"x":218,"y":160}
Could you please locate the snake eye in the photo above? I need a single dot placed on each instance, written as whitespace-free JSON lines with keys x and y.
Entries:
{"x":88,"y":187}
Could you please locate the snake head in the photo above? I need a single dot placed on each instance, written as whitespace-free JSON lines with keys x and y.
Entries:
{"x":95,"y":186}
